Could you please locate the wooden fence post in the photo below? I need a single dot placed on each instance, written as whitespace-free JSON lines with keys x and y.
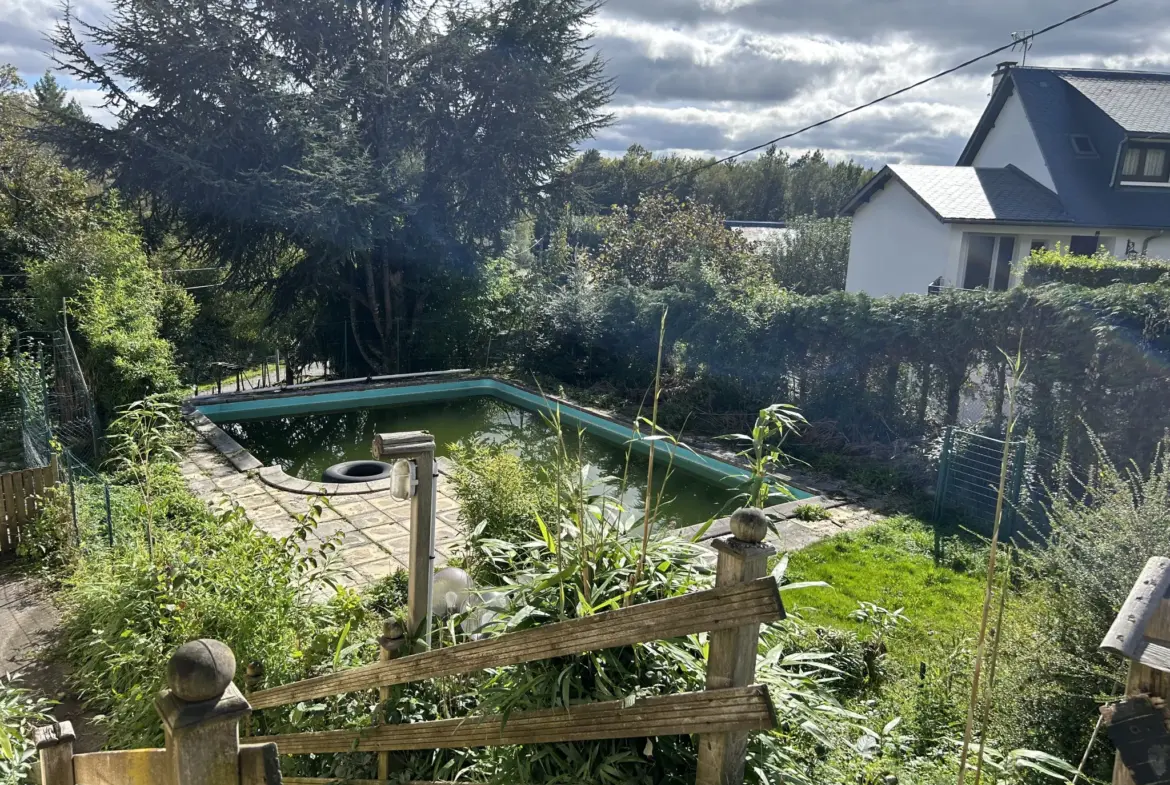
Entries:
{"x":731,"y":659}
{"x":55,"y":743}
{"x":1139,"y":633}
{"x":201,"y":715}
{"x":390,"y":645}
{"x":418,"y":447}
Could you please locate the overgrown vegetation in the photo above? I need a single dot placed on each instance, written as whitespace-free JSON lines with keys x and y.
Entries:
{"x":1101,"y":269}
{"x":21,"y":710}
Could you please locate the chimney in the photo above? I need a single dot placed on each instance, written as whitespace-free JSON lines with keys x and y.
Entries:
{"x":1001,"y":70}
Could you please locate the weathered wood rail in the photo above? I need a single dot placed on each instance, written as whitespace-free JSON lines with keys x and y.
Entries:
{"x":200,"y":712}
{"x":722,"y":716}
{"x":20,"y":501}
{"x":1141,"y":634}
{"x":202,"y":709}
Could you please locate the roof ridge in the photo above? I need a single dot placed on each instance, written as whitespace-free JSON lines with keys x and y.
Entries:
{"x":1104,"y":73}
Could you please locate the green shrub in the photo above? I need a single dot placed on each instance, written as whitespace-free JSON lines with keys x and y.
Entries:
{"x":1105,"y":525}
{"x":500,"y":495}
{"x":811,"y":256}
{"x":21,"y":710}
{"x":1098,"y":270}
{"x":811,"y":512}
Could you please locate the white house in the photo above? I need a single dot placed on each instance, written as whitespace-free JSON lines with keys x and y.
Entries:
{"x":1076,"y":157}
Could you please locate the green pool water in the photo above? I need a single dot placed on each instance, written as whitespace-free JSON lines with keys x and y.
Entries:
{"x":305,"y":445}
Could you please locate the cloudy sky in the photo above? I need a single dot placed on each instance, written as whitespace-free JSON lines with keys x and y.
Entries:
{"x":714,"y":76}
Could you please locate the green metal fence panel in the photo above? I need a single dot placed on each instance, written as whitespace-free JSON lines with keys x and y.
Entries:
{"x":968,"y":481}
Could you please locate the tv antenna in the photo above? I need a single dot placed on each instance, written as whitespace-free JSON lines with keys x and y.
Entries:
{"x":1024,"y":40}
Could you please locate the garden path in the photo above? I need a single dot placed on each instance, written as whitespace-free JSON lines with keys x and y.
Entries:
{"x":375,"y":528}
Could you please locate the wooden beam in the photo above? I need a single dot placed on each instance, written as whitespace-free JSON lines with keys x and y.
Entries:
{"x":731,"y":658}
{"x":1127,"y":635}
{"x":712,"y":711}
{"x":128,"y":767}
{"x":1144,"y":679}
{"x":336,"y":781}
{"x":721,"y":608}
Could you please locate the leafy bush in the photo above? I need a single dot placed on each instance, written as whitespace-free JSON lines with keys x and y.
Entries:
{"x":811,"y":255}
{"x":500,"y":495}
{"x":1100,"y":269}
{"x":811,"y":512}
{"x":21,"y":710}
{"x":887,"y":371}
{"x":1105,"y":525}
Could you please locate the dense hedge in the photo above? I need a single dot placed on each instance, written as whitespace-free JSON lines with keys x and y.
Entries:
{"x":880,"y":370}
{"x":1094,"y":271}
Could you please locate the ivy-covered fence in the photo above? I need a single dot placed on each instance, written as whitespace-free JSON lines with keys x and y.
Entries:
{"x":888,"y":370}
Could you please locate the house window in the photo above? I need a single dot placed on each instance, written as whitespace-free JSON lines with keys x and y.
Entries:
{"x":989,"y":261}
{"x":1083,"y":145}
{"x":1145,"y":163}
{"x":1089,"y":244}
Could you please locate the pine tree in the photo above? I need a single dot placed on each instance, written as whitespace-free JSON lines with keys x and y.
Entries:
{"x":367,"y":151}
{"x":51,"y":99}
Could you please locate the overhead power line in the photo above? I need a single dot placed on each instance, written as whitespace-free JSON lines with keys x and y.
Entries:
{"x":1021,"y":39}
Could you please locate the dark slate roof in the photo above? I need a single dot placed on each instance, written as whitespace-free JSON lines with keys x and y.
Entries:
{"x":1062,"y":102}
{"x":972,"y":194}
{"x":1139,"y":103}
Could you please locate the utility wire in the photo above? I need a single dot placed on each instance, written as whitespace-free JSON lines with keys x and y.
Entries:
{"x":1022,"y":39}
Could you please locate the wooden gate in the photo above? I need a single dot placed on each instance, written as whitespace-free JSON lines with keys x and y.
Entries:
{"x":20,"y":500}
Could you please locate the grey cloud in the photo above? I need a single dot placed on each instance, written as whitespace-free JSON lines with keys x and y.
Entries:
{"x":955,"y":24}
{"x":745,"y":74}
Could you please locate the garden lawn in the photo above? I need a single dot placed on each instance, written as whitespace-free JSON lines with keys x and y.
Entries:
{"x":889,"y":564}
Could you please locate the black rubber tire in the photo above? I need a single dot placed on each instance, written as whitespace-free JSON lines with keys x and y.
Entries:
{"x":357,"y":471}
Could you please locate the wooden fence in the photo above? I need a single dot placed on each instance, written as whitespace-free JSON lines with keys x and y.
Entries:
{"x":20,"y":501}
{"x":202,"y":709}
{"x":722,"y":715}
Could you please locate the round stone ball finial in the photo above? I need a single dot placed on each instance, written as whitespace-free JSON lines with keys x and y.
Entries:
{"x":201,"y":670}
{"x":749,"y":524}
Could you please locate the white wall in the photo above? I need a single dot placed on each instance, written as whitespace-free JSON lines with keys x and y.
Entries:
{"x":1158,"y":247}
{"x":1011,"y":141}
{"x":897,"y":245}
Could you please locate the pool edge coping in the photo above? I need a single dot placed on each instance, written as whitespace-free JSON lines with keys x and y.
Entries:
{"x":275,"y":477}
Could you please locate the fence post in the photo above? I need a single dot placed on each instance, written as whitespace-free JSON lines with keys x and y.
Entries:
{"x":109,"y":516}
{"x":731,"y":658}
{"x":55,"y":743}
{"x":940,"y":491}
{"x":201,"y":715}
{"x":73,"y":501}
{"x":253,"y":678}
{"x":390,"y":645}
{"x":1021,"y":455}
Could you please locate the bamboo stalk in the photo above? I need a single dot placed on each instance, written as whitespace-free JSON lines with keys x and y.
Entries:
{"x":989,"y":692}
{"x":646,"y":522}
{"x":989,"y":586}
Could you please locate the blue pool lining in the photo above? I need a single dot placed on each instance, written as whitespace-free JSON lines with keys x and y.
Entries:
{"x":229,"y":408}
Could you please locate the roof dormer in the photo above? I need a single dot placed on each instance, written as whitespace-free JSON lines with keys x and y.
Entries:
{"x":1144,"y":162}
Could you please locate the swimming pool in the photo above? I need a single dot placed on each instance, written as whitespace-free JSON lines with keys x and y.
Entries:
{"x":305,"y":431}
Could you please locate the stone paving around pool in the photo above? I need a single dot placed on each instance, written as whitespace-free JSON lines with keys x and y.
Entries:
{"x":375,"y":528}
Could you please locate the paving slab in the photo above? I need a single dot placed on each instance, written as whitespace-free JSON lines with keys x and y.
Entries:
{"x":374,"y":525}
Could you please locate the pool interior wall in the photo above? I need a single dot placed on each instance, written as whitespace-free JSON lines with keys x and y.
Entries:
{"x":705,"y":466}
